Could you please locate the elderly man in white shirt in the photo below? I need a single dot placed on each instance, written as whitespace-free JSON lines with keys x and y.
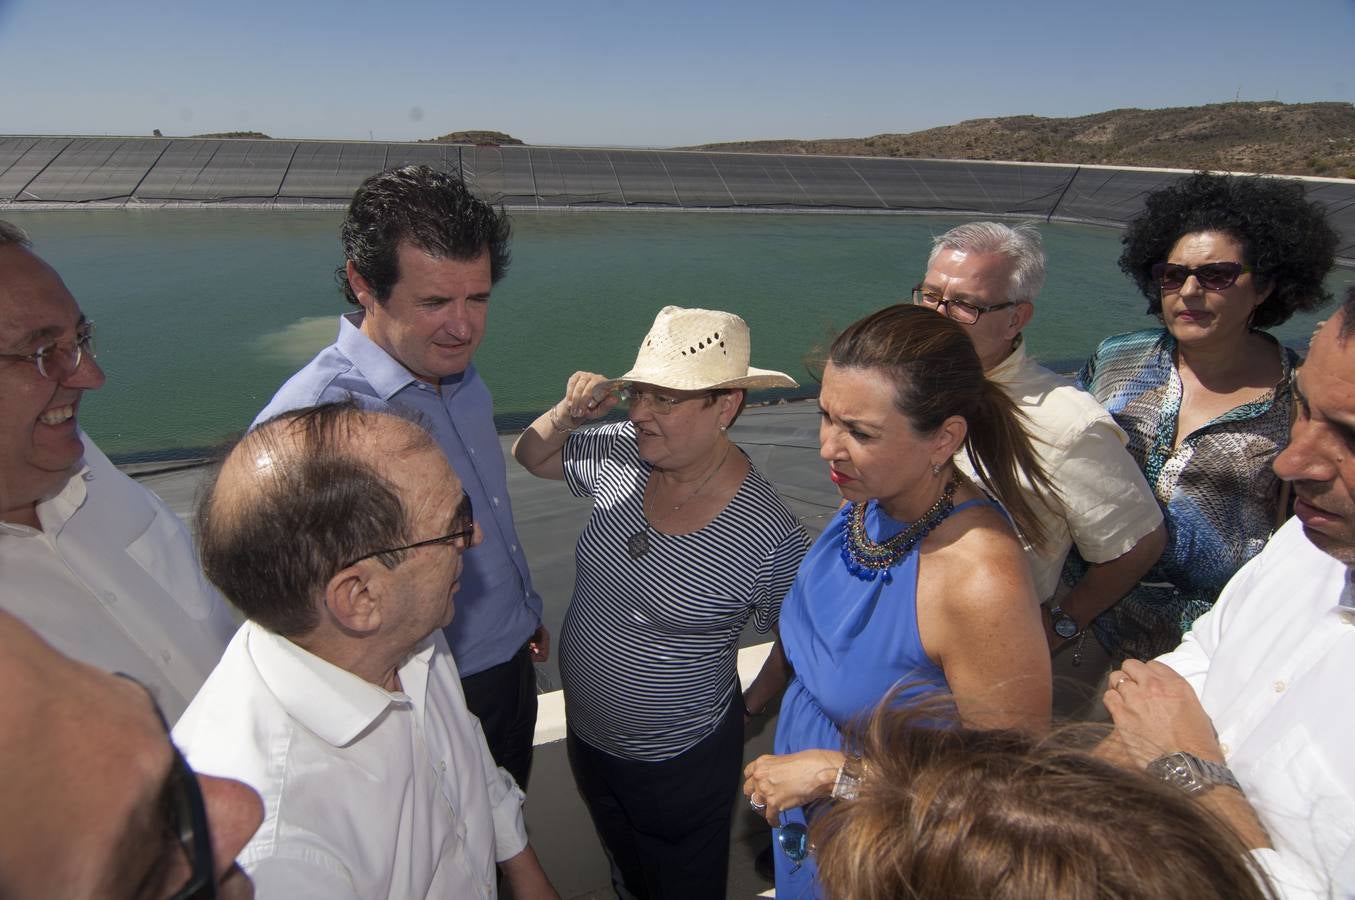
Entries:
{"x":1251,"y":712}
{"x":92,"y":561}
{"x":340,"y":533}
{"x":986,"y":276}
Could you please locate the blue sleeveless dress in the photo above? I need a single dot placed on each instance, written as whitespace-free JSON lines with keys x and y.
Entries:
{"x":849,"y":641}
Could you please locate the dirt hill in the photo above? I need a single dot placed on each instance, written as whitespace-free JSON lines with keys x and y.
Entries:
{"x":482,"y":138}
{"x":1277,"y":138}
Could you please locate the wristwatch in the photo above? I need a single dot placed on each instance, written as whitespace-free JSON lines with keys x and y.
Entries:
{"x":1190,"y":773}
{"x":1064,"y":626}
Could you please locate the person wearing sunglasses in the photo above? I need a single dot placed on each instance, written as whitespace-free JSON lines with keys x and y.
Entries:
{"x":686,"y":542}
{"x":99,"y":803}
{"x":1206,"y":397}
{"x":91,"y":560}
{"x":341,"y":534}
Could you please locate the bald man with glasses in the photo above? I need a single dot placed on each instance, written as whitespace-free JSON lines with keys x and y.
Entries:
{"x":94,"y":562}
{"x":341,"y":534}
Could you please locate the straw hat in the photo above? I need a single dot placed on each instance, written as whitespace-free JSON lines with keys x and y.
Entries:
{"x":698,"y":350}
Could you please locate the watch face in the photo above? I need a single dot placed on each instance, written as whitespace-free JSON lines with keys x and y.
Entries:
{"x":1175,"y":769}
{"x":1065,"y":627}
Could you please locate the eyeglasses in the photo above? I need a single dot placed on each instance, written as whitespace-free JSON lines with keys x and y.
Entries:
{"x":958,"y":310}
{"x":1212,"y":276}
{"x":793,"y":839}
{"x":662,"y":404}
{"x":461,"y":537}
{"x":58,"y":360}
{"x":186,"y":818}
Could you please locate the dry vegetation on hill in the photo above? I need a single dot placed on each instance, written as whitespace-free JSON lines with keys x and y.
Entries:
{"x":1277,"y":138}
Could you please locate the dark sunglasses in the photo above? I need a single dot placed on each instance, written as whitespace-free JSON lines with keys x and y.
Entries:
{"x":1212,"y":276}
{"x":186,"y":814}
{"x":793,"y":839}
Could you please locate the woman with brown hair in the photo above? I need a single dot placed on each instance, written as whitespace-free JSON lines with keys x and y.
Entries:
{"x":920,"y":577}
{"x":959,"y":812}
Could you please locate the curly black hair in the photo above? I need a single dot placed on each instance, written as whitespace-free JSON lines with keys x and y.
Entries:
{"x":432,"y":210}
{"x":1286,"y":239}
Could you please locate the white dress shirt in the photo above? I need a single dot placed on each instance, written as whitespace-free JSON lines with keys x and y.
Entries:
{"x":1274,"y":664}
{"x":367,"y":793}
{"x":112,"y":579}
{"x":1108,"y":507}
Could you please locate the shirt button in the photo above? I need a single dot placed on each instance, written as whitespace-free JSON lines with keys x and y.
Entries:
{"x":1223,"y":748}
{"x":1347,"y":617}
{"x":1280,"y":686}
{"x":494,"y":500}
{"x":165,"y":656}
{"x":472,"y":451}
{"x":442,"y":766}
{"x":110,"y":597}
{"x":88,"y":476}
{"x":513,"y":548}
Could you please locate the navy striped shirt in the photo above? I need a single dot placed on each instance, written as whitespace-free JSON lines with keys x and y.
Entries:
{"x":648,"y":649}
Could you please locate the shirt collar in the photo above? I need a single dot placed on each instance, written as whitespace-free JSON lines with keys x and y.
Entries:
{"x":335,"y":704}
{"x":56,"y":510}
{"x":381,"y":370}
{"x":1015,"y":360}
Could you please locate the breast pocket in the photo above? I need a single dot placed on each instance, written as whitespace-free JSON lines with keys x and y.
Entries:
{"x":166,"y":553}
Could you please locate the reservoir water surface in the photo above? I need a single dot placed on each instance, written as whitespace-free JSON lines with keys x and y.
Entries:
{"x":203,"y":313}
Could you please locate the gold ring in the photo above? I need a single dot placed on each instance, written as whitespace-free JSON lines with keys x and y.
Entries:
{"x":1123,"y":679}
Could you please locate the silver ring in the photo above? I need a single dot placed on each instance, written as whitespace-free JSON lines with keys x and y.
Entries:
{"x":757,"y":807}
{"x":1123,"y":679}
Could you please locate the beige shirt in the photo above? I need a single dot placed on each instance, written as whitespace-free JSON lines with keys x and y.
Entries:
{"x":1108,"y":507}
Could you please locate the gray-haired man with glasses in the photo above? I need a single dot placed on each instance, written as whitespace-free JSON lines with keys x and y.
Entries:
{"x":986,"y":276}
{"x":91,"y":560}
{"x":341,"y":534}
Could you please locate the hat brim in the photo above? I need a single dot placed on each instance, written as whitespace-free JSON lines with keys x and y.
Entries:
{"x":755,"y":380}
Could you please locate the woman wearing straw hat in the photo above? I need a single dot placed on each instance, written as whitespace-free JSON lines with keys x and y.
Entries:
{"x":686,"y":541}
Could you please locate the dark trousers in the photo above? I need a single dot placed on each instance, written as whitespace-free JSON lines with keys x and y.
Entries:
{"x":665,"y":825}
{"x":503,"y":698}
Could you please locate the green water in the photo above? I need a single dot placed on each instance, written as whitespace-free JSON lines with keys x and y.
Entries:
{"x":202,"y":314}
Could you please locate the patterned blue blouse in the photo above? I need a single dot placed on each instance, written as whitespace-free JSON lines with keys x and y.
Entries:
{"x":1217,"y":489}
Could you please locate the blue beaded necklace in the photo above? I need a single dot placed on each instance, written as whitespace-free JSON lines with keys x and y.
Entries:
{"x":866,"y":559}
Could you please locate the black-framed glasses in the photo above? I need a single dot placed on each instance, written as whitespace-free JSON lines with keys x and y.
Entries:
{"x":461,"y":536}
{"x":58,"y":360}
{"x":958,"y":310}
{"x":793,"y":839}
{"x":1217,"y":276}
{"x":186,"y":816}
{"x":662,"y":404}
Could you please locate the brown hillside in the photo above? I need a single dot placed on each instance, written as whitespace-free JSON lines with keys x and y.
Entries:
{"x":483,"y":138}
{"x":1277,"y":138}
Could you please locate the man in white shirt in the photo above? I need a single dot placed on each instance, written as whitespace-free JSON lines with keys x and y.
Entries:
{"x":339,"y":533}
{"x":1260,"y":685}
{"x":92,"y":561}
{"x":986,"y":276}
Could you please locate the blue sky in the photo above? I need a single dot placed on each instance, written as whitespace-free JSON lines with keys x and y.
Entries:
{"x":642,"y":74}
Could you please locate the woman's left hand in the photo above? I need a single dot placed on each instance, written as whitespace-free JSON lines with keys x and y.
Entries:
{"x":791,"y":780}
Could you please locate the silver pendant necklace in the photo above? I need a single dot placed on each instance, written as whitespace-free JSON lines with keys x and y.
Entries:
{"x":637,"y":545}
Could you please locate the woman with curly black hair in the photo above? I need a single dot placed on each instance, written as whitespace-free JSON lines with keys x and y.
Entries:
{"x":1206,"y":399}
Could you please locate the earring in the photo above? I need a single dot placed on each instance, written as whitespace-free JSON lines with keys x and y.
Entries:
{"x":936,"y":468}
{"x":724,"y":428}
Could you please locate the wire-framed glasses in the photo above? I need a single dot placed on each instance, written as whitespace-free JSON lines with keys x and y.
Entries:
{"x":958,"y":310}
{"x":58,"y":360}
{"x":662,"y":404}
{"x":460,"y":536}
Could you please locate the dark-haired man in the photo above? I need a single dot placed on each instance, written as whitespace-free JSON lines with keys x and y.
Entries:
{"x":1250,"y":713}
{"x":423,"y":255}
{"x":89,"y":559}
{"x":341,"y":535}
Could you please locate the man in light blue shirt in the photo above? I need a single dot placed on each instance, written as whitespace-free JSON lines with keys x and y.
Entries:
{"x":423,"y":254}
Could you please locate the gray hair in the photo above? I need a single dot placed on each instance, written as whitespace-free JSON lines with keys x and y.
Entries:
{"x":1021,"y":244}
{"x":13,"y":234}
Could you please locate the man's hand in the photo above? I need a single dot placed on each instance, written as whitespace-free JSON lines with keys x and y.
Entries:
{"x":1156,"y":712}
{"x":538,"y":645}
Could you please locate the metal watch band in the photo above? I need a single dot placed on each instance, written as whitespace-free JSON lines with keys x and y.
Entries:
{"x":1190,"y":773}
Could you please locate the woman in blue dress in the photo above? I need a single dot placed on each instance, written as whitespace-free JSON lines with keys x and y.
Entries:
{"x":919,"y":580}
